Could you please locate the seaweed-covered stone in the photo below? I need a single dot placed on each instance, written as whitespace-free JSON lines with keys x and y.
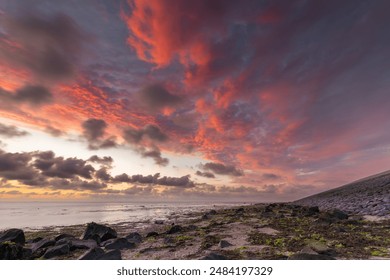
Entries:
{"x":118,"y":243}
{"x":94,"y":230}
{"x":134,"y":237}
{"x":92,"y":254}
{"x":175,"y":229}
{"x":13,"y":235}
{"x":56,"y":251}
{"x":305,"y":256}
{"x":10,"y":251}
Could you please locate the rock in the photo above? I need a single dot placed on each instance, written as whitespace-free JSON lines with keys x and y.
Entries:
{"x":134,"y":237}
{"x":212,"y":212}
{"x":304,"y":256}
{"x":175,"y":229}
{"x":111,"y":255}
{"x":159,"y":222}
{"x":191,"y":227}
{"x":11,"y":251}
{"x":118,"y":243}
{"x":311,"y":211}
{"x":57,"y":251}
{"x":224,"y":244}
{"x":240,"y":210}
{"x":205,"y":217}
{"x":214,"y":256}
{"x":64,"y":235}
{"x":169,"y":240}
{"x":317,"y":246}
{"x":92,"y":254}
{"x":13,"y":235}
{"x":44,"y":243}
{"x":338,"y":214}
{"x":75,"y":244}
{"x":35,"y":240}
{"x":94,"y":230}
{"x":27,"y":254}
{"x":308,"y":250}
{"x":151,"y":234}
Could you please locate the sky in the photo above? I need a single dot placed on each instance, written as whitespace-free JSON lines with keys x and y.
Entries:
{"x":207,"y":100}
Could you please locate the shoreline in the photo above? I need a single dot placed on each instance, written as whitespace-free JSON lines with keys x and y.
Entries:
{"x":260,"y":231}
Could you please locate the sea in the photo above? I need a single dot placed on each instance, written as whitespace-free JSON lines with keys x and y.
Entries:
{"x":38,"y":215}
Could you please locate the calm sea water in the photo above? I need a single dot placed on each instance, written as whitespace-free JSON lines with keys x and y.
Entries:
{"x":35,"y":215}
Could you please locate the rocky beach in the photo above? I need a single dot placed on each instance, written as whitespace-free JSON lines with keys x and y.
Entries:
{"x":350,"y":222}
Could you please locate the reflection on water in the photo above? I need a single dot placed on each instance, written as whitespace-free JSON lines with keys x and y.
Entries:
{"x":42,"y":214}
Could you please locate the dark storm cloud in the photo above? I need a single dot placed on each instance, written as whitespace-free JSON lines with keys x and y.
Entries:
{"x":205,"y":174}
{"x":152,"y":132}
{"x":221,"y":169}
{"x":157,"y":97}
{"x":10,"y":131}
{"x":49,"y":45}
{"x":33,"y":95}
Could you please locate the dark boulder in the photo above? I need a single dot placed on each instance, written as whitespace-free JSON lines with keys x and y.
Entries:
{"x":175,"y":229}
{"x":214,"y":256}
{"x":44,"y":243}
{"x":224,"y":244}
{"x":13,"y":235}
{"x":111,"y":255}
{"x":95,"y":230}
{"x":338,"y":214}
{"x":35,"y":240}
{"x":11,"y":251}
{"x":134,"y":237}
{"x":159,"y":222}
{"x":75,"y":244}
{"x":56,"y":251}
{"x":64,"y":235}
{"x":118,"y":243}
{"x":151,"y":234}
{"x":92,"y":254}
{"x":304,"y":256}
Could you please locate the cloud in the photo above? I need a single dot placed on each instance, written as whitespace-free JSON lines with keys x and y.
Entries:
{"x":53,"y":131}
{"x":93,"y":131}
{"x":182,"y":182}
{"x":205,"y":174}
{"x":52,"y":166}
{"x":106,"y":160}
{"x":156,"y":97}
{"x":221,"y":169}
{"x":150,"y":131}
{"x":33,"y":95}
{"x":49,"y":46}
{"x":11,"y":131}
{"x":155,"y":154}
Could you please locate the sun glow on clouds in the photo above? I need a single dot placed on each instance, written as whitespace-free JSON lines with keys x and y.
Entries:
{"x":201,"y":92}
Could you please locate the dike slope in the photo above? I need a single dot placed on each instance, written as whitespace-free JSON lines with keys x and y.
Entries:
{"x":367,"y":196}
